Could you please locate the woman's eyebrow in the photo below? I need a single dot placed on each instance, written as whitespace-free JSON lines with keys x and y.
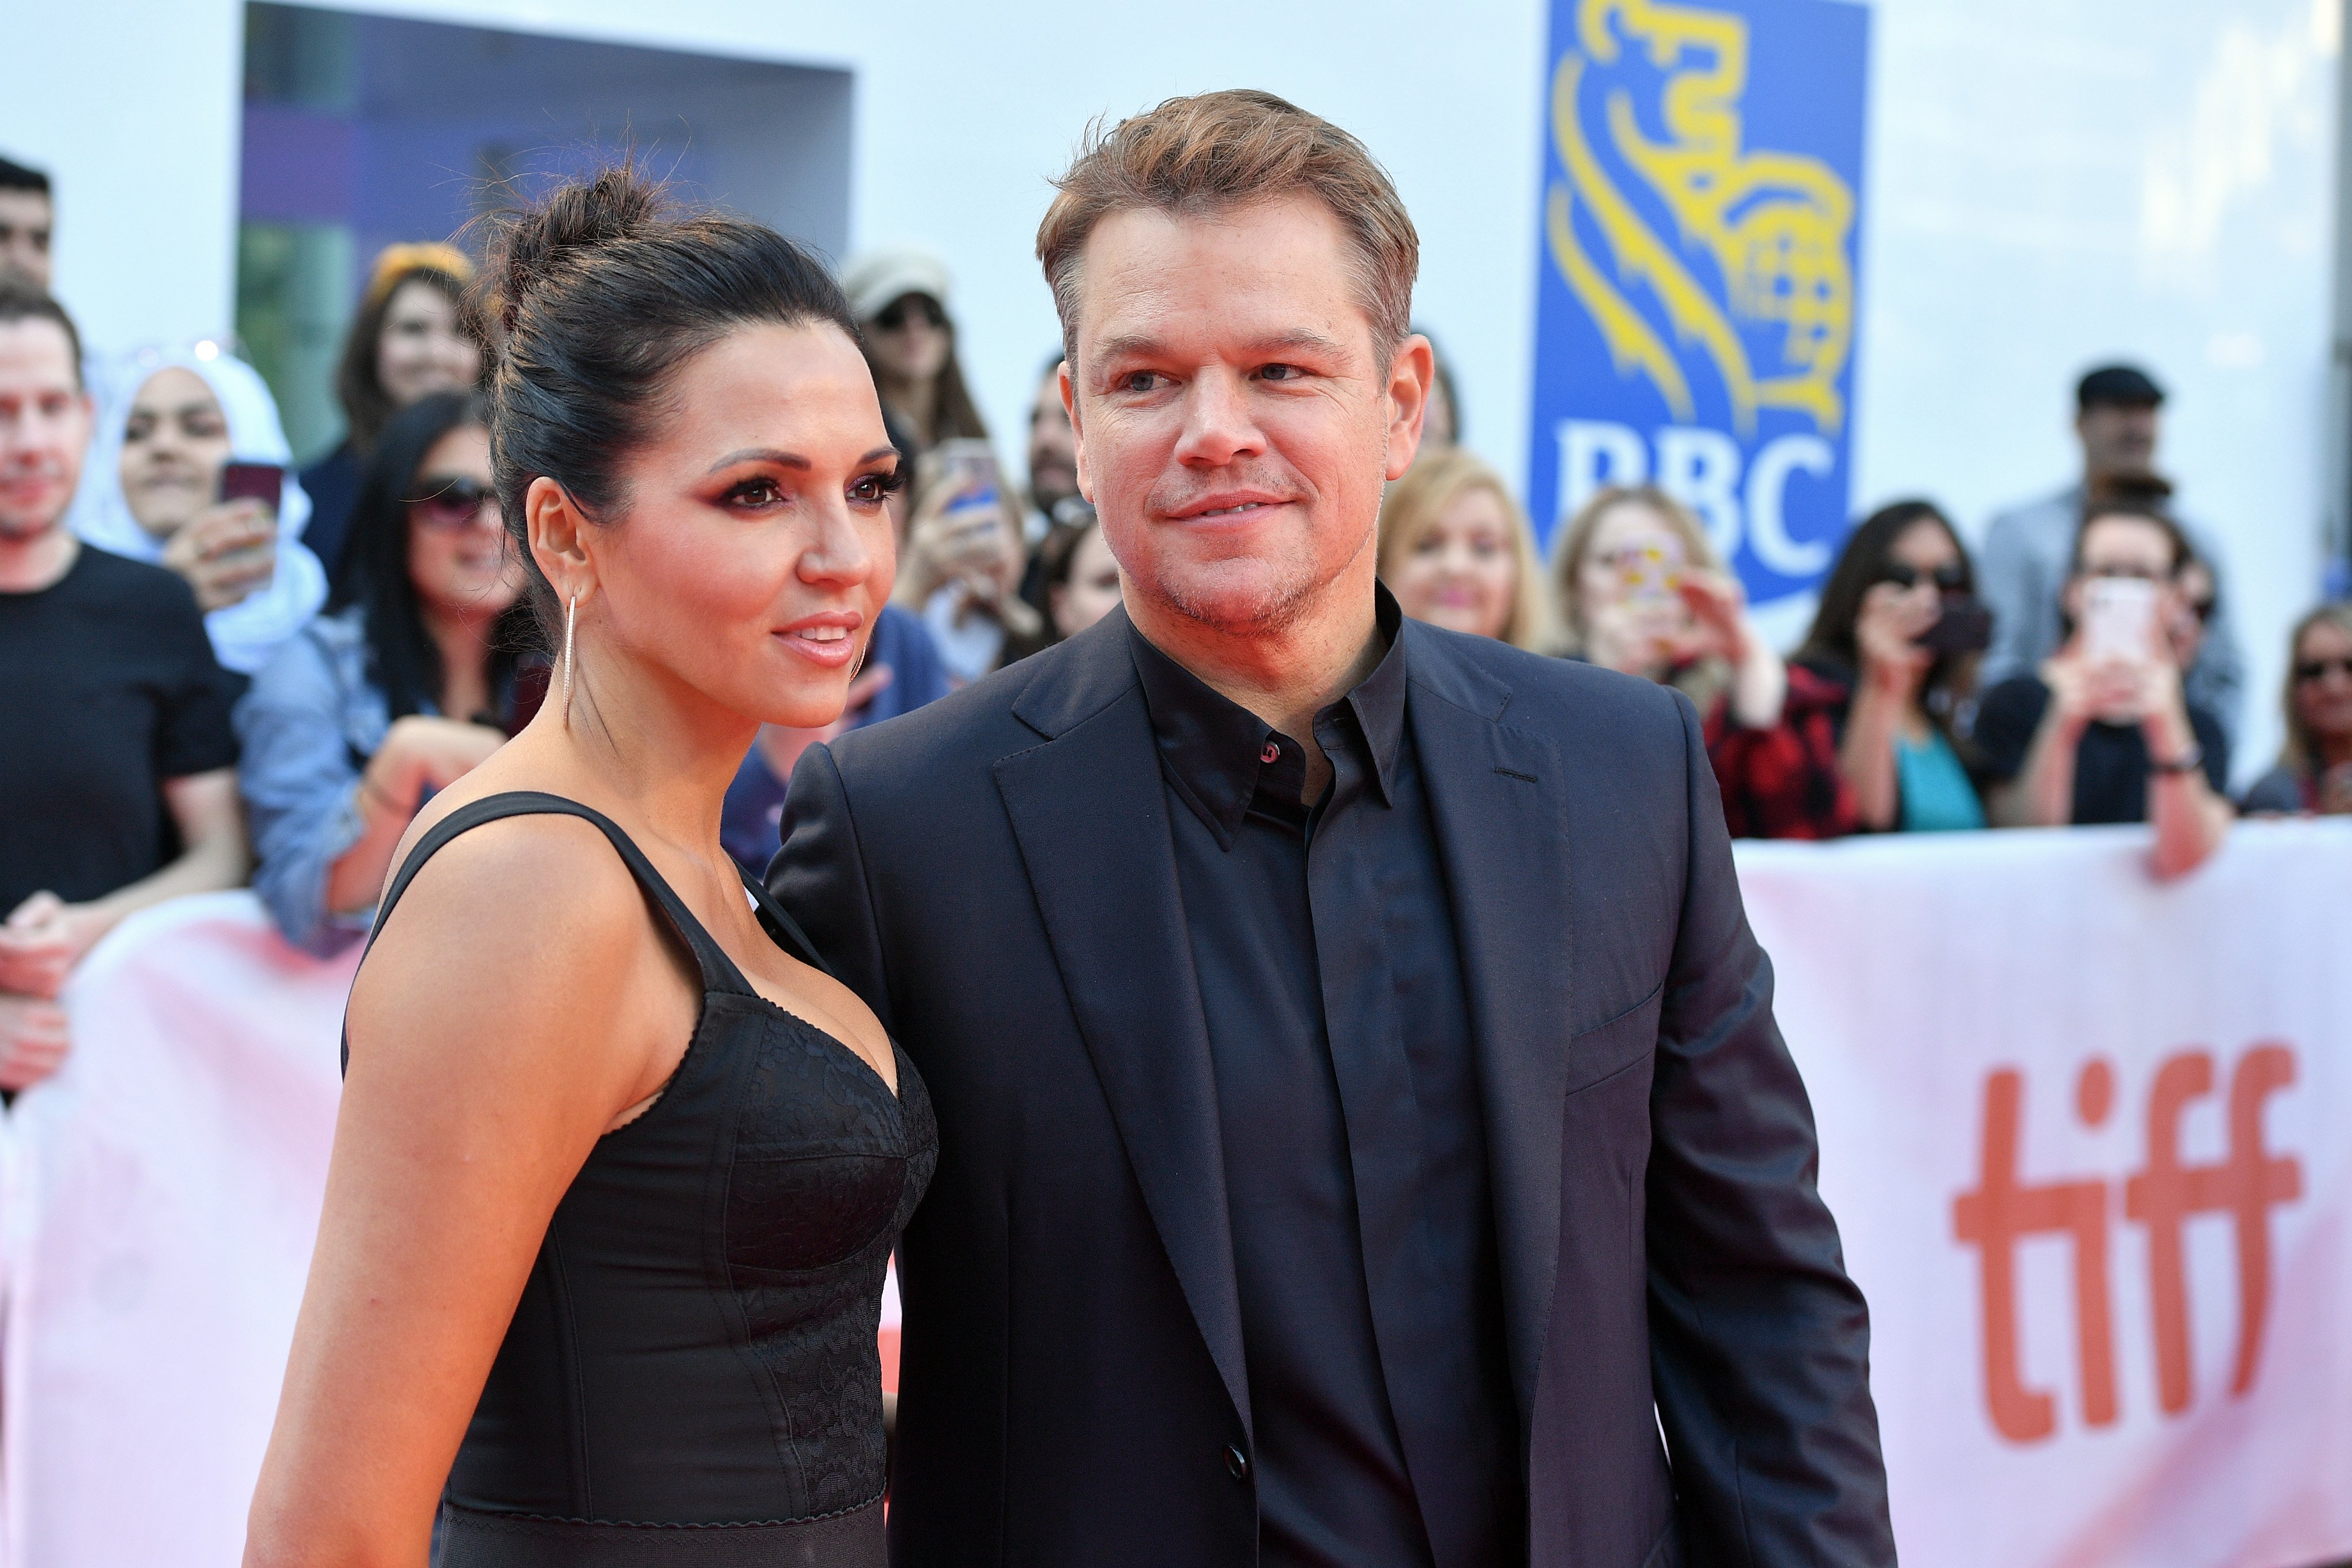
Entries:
{"x":761,"y":455}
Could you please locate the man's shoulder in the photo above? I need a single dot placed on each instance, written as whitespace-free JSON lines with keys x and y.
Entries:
{"x":959,"y":736}
{"x":2053,"y":515}
{"x":1563,"y":700}
{"x":139,"y":586}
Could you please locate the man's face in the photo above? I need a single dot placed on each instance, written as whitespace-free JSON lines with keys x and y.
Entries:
{"x":25,"y":224}
{"x":44,"y":428}
{"x":2118,"y":439}
{"x":1053,"y":447}
{"x":1234,"y":419}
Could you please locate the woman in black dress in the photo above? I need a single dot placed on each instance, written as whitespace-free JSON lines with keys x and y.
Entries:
{"x":618,"y":1167}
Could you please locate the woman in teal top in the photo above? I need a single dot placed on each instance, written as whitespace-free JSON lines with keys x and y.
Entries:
{"x":1901,"y":571}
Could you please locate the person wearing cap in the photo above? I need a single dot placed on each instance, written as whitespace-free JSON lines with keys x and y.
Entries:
{"x":900,"y":298}
{"x":2028,"y":550}
{"x":413,"y":337}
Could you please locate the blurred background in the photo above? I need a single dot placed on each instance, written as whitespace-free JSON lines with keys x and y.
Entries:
{"x":2042,"y":185}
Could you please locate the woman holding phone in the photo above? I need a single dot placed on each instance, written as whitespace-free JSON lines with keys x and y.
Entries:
{"x":965,"y":558}
{"x":2103,"y":732}
{"x":1640,"y":589}
{"x":406,"y":683}
{"x":1897,"y":635}
{"x":193,"y":472}
{"x":618,"y":1167}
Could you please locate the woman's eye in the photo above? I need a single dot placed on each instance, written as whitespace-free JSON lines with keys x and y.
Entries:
{"x":754,"y":493}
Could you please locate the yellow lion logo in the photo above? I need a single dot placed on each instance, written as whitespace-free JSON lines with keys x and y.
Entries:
{"x":1777,"y":225}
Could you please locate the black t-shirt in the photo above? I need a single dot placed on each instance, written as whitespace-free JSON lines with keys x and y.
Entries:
{"x":2110,"y":760}
{"x":108,"y":687}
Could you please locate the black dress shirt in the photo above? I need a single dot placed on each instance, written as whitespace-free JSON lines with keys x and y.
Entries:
{"x":1383,"y":1425}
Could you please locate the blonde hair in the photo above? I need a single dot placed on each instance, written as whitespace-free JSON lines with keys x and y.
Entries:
{"x":2299,"y":752}
{"x":1416,"y":501}
{"x":1219,"y":150}
{"x":1701,"y":682}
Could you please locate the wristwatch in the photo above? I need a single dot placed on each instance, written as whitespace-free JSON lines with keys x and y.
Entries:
{"x":2189,"y":761}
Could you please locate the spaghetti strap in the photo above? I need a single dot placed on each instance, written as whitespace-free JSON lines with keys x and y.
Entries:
{"x":785,"y":931}
{"x":718,"y":970}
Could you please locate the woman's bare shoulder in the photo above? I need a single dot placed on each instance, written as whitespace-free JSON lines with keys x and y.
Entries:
{"x":521,"y":918}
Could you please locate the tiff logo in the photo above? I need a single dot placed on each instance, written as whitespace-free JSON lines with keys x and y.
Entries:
{"x":2003,"y":1211}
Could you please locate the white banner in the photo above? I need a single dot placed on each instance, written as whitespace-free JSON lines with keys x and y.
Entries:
{"x":162,"y":1197}
{"x":2086,"y":1138}
{"x":2076,"y":1126}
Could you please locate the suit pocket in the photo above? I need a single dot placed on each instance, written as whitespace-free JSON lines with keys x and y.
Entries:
{"x":1616,"y":1044}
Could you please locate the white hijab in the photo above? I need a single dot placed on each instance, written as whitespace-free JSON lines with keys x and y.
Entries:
{"x":247,"y":633}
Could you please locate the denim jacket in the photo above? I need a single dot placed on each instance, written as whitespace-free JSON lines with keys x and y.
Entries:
{"x":307,"y":727}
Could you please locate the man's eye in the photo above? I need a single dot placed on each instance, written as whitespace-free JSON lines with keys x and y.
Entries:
{"x":1138,"y":381}
{"x":1280,"y":372}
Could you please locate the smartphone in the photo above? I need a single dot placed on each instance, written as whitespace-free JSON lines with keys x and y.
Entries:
{"x":263,"y":482}
{"x":1652,"y":570}
{"x":1965,"y":626}
{"x":968,"y":468}
{"x":2119,"y":620}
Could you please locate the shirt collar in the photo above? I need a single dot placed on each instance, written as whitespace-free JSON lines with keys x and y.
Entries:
{"x":1215,"y":752}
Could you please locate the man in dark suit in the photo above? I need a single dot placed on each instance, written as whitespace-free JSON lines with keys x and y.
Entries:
{"x":1362,"y":1125}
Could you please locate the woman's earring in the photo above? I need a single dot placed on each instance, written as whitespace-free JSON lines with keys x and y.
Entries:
{"x":570,"y":621}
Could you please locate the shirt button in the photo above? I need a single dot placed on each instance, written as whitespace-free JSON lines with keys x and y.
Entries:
{"x":1272,"y":752}
{"x":1236,"y":1462}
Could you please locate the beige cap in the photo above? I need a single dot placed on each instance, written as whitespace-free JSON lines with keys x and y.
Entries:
{"x":872,"y":281}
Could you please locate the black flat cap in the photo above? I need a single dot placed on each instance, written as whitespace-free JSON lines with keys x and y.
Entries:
{"x":2123,"y":386}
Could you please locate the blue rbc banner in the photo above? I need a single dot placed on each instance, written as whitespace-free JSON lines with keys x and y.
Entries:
{"x":1696,"y":312}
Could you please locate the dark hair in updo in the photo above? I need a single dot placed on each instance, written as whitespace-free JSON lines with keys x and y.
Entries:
{"x":604,"y":290}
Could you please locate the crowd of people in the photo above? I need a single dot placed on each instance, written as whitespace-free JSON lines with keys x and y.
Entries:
{"x":226,"y":666}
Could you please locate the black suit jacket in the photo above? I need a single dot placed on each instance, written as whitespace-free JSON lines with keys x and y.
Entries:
{"x":994,"y":875}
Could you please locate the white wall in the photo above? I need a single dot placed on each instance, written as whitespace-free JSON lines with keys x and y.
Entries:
{"x":2048,"y":182}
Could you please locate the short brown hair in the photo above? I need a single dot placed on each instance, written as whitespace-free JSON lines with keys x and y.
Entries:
{"x":1219,"y":150}
{"x":21,"y":299}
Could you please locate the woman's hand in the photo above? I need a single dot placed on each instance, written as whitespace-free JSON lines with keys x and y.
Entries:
{"x":1887,"y":635}
{"x":952,"y":538}
{"x":226,"y":551}
{"x":34,"y":1040}
{"x":1719,"y":619}
{"x":1635,"y":635}
{"x":44,"y":938}
{"x":1719,"y":628}
{"x":421,"y":755}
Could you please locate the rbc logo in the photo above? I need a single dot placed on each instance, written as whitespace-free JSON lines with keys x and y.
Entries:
{"x":1695,"y":296}
{"x":2162,"y":1196}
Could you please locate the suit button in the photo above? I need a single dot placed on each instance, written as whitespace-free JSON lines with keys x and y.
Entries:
{"x":1236,"y":1462}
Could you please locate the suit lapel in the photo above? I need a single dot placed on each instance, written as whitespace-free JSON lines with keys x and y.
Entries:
{"x":1090,"y":812}
{"x":1497,"y":796}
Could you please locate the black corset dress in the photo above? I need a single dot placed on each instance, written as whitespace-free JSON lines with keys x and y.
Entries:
{"x":691,"y":1375}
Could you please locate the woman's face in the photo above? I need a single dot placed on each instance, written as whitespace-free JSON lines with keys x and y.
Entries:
{"x":1092,"y":591}
{"x":1461,"y":573}
{"x":910,"y":338}
{"x":1923,"y":549}
{"x":1635,"y":556}
{"x":2323,"y":701}
{"x":755,"y":549}
{"x":173,"y":446}
{"x":420,"y":351}
{"x":457,"y":557}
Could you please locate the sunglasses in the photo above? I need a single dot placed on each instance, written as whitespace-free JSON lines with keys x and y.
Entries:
{"x":894,"y":315}
{"x":451,"y":501}
{"x":2313,"y":671}
{"x":1950,"y":579}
